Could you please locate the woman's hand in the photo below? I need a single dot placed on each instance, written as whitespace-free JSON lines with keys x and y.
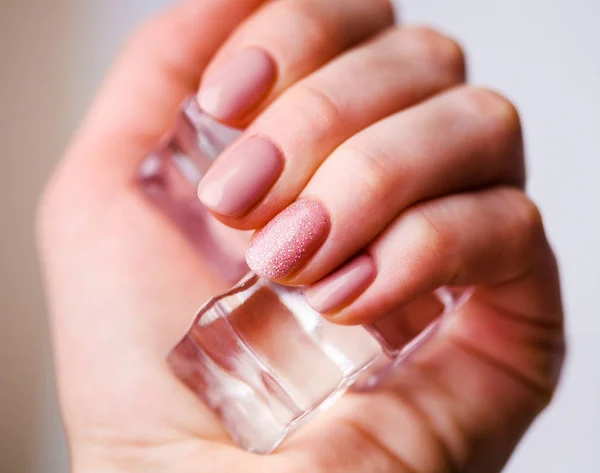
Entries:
{"x":397,"y":178}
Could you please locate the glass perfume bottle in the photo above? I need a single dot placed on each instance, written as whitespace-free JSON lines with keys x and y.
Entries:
{"x":258,"y":355}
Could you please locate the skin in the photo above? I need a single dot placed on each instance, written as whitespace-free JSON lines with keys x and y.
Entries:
{"x":122,"y":282}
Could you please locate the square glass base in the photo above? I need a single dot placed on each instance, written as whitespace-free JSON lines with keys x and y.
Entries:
{"x":266,"y":362}
{"x":258,"y":355}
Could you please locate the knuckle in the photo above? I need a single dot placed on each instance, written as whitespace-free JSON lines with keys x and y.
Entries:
{"x":321,"y":108}
{"x":429,"y":232}
{"x":436,"y":244}
{"x":373,"y":168}
{"x":152,"y":44}
{"x":531,"y":221}
{"x":386,"y":7}
{"x":323,"y":25}
{"x":527,"y":229}
{"x":492,"y":109}
{"x":145,"y":42}
{"x":308,"y":19}
{"x":437,"y":50}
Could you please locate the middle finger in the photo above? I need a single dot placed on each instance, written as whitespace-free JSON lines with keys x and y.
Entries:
{"x":269,"y":166}
{"x":465,"y":139}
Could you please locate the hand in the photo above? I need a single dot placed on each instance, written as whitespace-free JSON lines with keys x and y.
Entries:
{"x":391,"y":159}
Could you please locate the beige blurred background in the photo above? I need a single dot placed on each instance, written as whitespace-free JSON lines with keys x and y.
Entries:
{"x":34,"y":37}
{"x":544,"y":54}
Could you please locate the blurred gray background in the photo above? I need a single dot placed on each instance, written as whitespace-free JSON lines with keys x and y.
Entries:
{"x":544,"y":54}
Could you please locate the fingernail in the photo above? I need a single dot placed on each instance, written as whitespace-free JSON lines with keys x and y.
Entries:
{"x":288,"y":240}
{"x":343,"y":286}
{"x":241,"y":176}
{"x":237,"y":85}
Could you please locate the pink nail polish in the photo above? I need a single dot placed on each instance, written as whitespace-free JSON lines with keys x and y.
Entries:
{"x":288,"y":240}
{"x":238,"y":84}
{"x":241,"y":176}
{"x":343,"y":286}
{"x":258,"y":355}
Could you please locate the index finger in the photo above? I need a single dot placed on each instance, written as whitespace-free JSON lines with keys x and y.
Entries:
{"x":159,"y":67}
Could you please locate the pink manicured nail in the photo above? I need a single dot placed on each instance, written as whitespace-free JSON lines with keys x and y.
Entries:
{"x":288,"y":240}
{"x":241,"y":176}
{"x":343,"y":286}
{"x":238,"y":84}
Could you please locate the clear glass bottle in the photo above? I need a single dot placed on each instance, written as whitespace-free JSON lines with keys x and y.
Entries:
{"x":258,"y":355}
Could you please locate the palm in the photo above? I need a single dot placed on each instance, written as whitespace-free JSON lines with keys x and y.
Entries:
{"x":139,"y":282}
{"x":134,"y":282}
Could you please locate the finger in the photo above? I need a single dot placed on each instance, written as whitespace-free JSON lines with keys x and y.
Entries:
{"x":468,"y":394}
{"x":484,"y":237}
{"x":287,"y":143}
{"x":281,"y":43}
{"x":464,"y":139}
{"x":98,"y":289}
{"x":160,"y":66}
